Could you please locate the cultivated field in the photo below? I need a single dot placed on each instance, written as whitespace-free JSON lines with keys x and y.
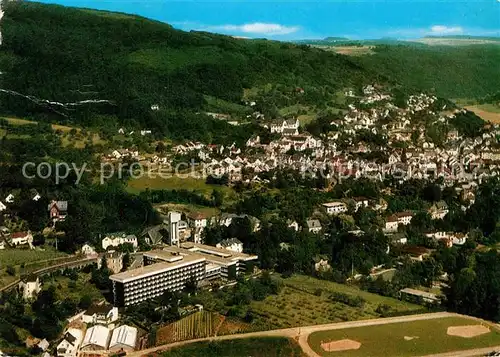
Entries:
{"x":308,"y":301}
{"x":416,"y":338}
{"x":199,"y":325}
{"x":488,"y":112}
{"x":255,"y":347}
{"x":26,"y":256}
{"x":78,"y":140}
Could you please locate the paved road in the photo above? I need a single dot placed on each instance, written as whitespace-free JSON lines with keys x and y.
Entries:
{"x":302,"y":333}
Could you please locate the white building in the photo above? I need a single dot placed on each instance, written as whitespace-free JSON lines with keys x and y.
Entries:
{"x":21,"y":238}
{"x":117,"y":239}
{"x":123,"y":338}
{"x":313,"y":226}
{"x":335,"y":207}
{"x":232,"y":244}
{"x":87,"y":249}
{"x":30,"y":287}
{"x":2,"y":206}
{"x":100,"y":314}
{"x":68,"y":347}
{"x":391,"y":224}
{"x":96,"y":339}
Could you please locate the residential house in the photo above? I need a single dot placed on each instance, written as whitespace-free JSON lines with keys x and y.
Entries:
{"x":335,"y":207}
{"x":58,"y":210}
{"x":96,"y":339}
{"x":21,"y":238}
{"x":29,"y":287}
{"x":114,"y":261}
{"x":3,"y":207}
{"x":100,"y":314}
{"x":232,"y":244}
{"x":416,"y":252}
{"x":391,"y":224}
{"x":117,"y":239}
{"x":313,"y":225}
{"x":9,"y":198}
{"x":360,"y":202}
{"x":404,"y":217}
{"x":124,"y":338}
{"x":197,"y":220}
{"x":438,"y":210}
{"x":293,"y":225}
{"x":70,"y":343}
{"x":321,"y":264}
{"x":87,"y":249}
{"x":154,"y":235}
{"x":43,"y":345}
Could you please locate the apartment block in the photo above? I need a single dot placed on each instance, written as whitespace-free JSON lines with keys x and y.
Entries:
{"x":173,"y":266}
{"x":150,"y":281}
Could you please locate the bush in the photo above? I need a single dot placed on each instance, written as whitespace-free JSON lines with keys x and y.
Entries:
{"x":354,"y":301}
{"x":11,"y":270}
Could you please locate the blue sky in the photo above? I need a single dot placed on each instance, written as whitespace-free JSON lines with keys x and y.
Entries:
{"x":285,"y":20}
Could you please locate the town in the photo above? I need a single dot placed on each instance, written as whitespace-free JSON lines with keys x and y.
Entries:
{"x":188,"y":193}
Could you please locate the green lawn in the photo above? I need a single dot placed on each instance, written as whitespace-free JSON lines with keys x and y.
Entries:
{"x":255,"y":347}
{"x":173,"y":183}
{"x":306,"y":301}
{"x":26,"y":256}
{"x":428,"y":337}
{"x":188,"y":208}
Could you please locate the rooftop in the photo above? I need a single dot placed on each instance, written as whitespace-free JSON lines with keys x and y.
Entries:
{"x":157,"y":268}
{"x":334,"y":204}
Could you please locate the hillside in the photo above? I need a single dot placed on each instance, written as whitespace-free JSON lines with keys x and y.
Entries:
{"x":93,"y":62}
{"x":452,"y":72}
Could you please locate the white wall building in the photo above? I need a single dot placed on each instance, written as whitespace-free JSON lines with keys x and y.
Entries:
{"x":123,"y":338}
{"x":335,"y":207}
{"x":96,"y":339}
{"x":232,"y":244}
{"x":117,"y":239}
{"x":100,"y":314}
{"x":68,"y":347}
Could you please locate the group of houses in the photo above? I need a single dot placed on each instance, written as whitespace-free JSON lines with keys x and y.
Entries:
{"x":97,"y":334}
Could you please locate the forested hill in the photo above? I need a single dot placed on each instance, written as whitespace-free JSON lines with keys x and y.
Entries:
{"x":128,"y":63}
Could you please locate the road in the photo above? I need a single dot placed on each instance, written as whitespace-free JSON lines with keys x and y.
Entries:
{"x":302,"y":333}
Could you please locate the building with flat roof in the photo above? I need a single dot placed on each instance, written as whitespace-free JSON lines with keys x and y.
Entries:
{"x":174,"y":266}
{"x":172,"y":273}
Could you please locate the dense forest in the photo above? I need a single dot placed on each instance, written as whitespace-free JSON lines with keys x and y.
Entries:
{"x":82,"y":66}
{"x":451,"y":72}
{"x":92,"y":62}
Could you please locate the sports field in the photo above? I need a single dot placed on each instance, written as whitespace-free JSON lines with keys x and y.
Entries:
{"x":416,"y":338}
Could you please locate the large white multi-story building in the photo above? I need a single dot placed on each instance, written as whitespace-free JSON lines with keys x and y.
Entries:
{"x":150,"y":281}
{"x":173,"y":267}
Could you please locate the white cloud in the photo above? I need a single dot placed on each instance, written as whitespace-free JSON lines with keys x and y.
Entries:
{"x":446,"y":30}
{"x":256,"y":28}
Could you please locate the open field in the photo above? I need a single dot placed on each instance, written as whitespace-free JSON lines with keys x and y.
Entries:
{"x":415,"y":338}
{"x":307,"y":301}
{"x":255,"y":347}
{"x":26,"y":256}
{"x":78,"y":141}
{"x":488,"y":112}
{"x":173,"y":183}
{"x":188,"y":208}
